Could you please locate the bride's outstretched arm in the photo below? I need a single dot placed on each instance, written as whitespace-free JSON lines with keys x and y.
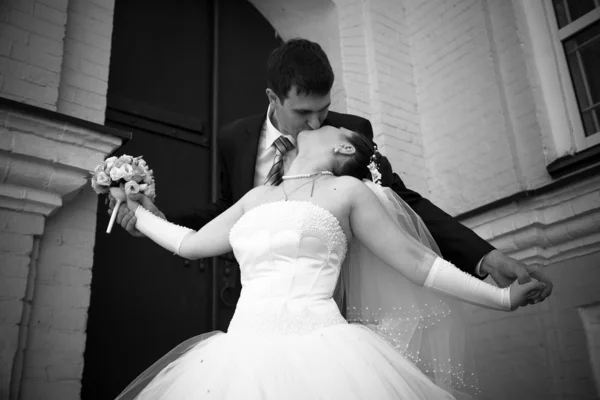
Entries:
{"x":211,"y":240}
{"x":371,"y":224}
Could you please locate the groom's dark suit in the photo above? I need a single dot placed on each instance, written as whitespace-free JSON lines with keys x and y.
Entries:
{"x":238,"y":143}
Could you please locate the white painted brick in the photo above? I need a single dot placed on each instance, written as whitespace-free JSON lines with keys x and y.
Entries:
{"x":29,"y":174}
{"x":43,"y":389}
{"x":5,"y":47}
{"x":41,"y":76}
{"x":15,"y":243}
{"x":51,"y":150}
{"x":45,"y":94}
{"x":30,"y":73}
{"x":67,"y":255}
{"x":95,"y":70}
{"x":14,"y":266}
{"x":46,"y":45}
{"x":84,"y":98}
{"x":50,"y":14}
{"x":91,"y":10}
{"x":13,"y":68}
{"x":36,"y":25}
{"x":61,"y":296}
{"x":10,"y":310}
{"x":31,"y":124}
{"x":13,"y":34}
{"x":30,"y":56}
{"x":22,"y":223}
{"x":66,"y":371}
{"x":84,"y":35}
{"x":81,"y":112}
{"x":59,"y":5}
{"x":11,"y":287}
{"x":87,"y":52}
{"x":25,"y":6}
{"x":94,"y":26}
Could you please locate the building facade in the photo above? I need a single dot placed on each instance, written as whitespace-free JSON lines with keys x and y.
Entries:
{"x":489,"y":108}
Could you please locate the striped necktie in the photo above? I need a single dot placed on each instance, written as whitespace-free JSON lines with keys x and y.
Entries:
{"x":282,"y":145}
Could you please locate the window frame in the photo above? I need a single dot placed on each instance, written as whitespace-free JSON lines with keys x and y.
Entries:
{"x":558,"y":35}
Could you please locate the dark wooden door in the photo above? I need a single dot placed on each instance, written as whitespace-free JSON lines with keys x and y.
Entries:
{"x":144,"y":300}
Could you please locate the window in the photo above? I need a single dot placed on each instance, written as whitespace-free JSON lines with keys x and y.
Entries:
{"x":578,"y":24}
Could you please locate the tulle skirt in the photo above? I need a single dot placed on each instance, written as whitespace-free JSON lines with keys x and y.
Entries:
{"x":342,"y":361}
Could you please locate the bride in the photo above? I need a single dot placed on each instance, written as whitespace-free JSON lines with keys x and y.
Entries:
{"x":287,"y":338}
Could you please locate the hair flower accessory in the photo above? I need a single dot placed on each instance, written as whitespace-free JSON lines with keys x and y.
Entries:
{"x":374,"y":166}
{"x":121,"y":176}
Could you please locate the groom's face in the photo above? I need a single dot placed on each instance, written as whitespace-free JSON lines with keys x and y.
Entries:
{"x":299,"y":111}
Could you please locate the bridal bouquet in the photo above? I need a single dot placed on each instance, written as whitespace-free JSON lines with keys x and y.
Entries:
{"x":120,"y":176}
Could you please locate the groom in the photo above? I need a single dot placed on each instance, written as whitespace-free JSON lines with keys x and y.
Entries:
{"x":299,"y":80}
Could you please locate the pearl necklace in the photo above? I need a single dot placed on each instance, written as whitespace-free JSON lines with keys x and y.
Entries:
{"x":317,"y":174}
{"x":299,"y":176}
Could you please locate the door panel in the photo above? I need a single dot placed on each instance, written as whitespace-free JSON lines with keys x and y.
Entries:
{"x":144,"y":300}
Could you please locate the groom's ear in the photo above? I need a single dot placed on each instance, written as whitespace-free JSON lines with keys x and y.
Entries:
{"x":273,"y":98}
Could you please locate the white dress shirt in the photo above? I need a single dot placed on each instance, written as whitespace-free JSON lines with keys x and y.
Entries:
{"x":265,"y":153}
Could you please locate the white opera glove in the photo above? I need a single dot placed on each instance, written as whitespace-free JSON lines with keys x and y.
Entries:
{"x":446,"y":278}
{"x":162,"y":232}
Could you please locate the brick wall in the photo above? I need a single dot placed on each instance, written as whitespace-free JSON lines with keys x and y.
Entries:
{"x":54,"y":54}
{"x":18,"y":232}
{"x":84,"y":81}
{"x":540,"y":352}
{"x":379,"y":81}
{"x":53,"y":361}
{"x":31,"y":49}
{"x":475,"y":102}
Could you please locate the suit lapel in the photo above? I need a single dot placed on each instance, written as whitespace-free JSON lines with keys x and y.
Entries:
{"x":247,"y":153}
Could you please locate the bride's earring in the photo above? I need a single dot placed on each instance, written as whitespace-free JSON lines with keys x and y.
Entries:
{"x":336,"y":150}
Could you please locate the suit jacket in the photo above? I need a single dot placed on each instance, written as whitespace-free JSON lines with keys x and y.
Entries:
{"x":238,"y":143}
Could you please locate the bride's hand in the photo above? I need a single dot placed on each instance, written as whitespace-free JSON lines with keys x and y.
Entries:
{"x":520,"y":294}
{"x":138,"y":199}
{"x":133,"y":201}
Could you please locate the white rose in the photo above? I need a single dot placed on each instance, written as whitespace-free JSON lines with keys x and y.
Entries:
{"x":125,"y":171}
{"x":150,"y":192}
{"x":99,"y":168}
{"x":132,"y":187}
{"x":128,"y":171}
{"x":126,"y":159}
{"x":97,"y":188}
{"x":102,"y":179}
{"x":149,"y":178}
{"x":109,"y":162}
{"x":138,"y":174}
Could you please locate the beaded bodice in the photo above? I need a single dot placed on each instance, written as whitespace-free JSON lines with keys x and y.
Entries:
{"x":290,"y":254}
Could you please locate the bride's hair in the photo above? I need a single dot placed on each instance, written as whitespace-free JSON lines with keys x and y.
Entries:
{"x":357,"y":165}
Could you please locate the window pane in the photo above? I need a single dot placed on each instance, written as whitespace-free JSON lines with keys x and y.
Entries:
{"x":561,"y":13}
{"x":568,"y":11}
{"x":589,"y":123}
{"x":583,"y":57}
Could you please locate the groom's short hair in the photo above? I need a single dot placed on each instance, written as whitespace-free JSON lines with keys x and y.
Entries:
{"x":300,"y":63}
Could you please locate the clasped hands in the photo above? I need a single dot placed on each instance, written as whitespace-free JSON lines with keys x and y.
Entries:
{"x":504,"y":270}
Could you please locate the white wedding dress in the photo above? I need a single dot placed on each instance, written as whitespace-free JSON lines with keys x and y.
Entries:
{"x":287,"y":339}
